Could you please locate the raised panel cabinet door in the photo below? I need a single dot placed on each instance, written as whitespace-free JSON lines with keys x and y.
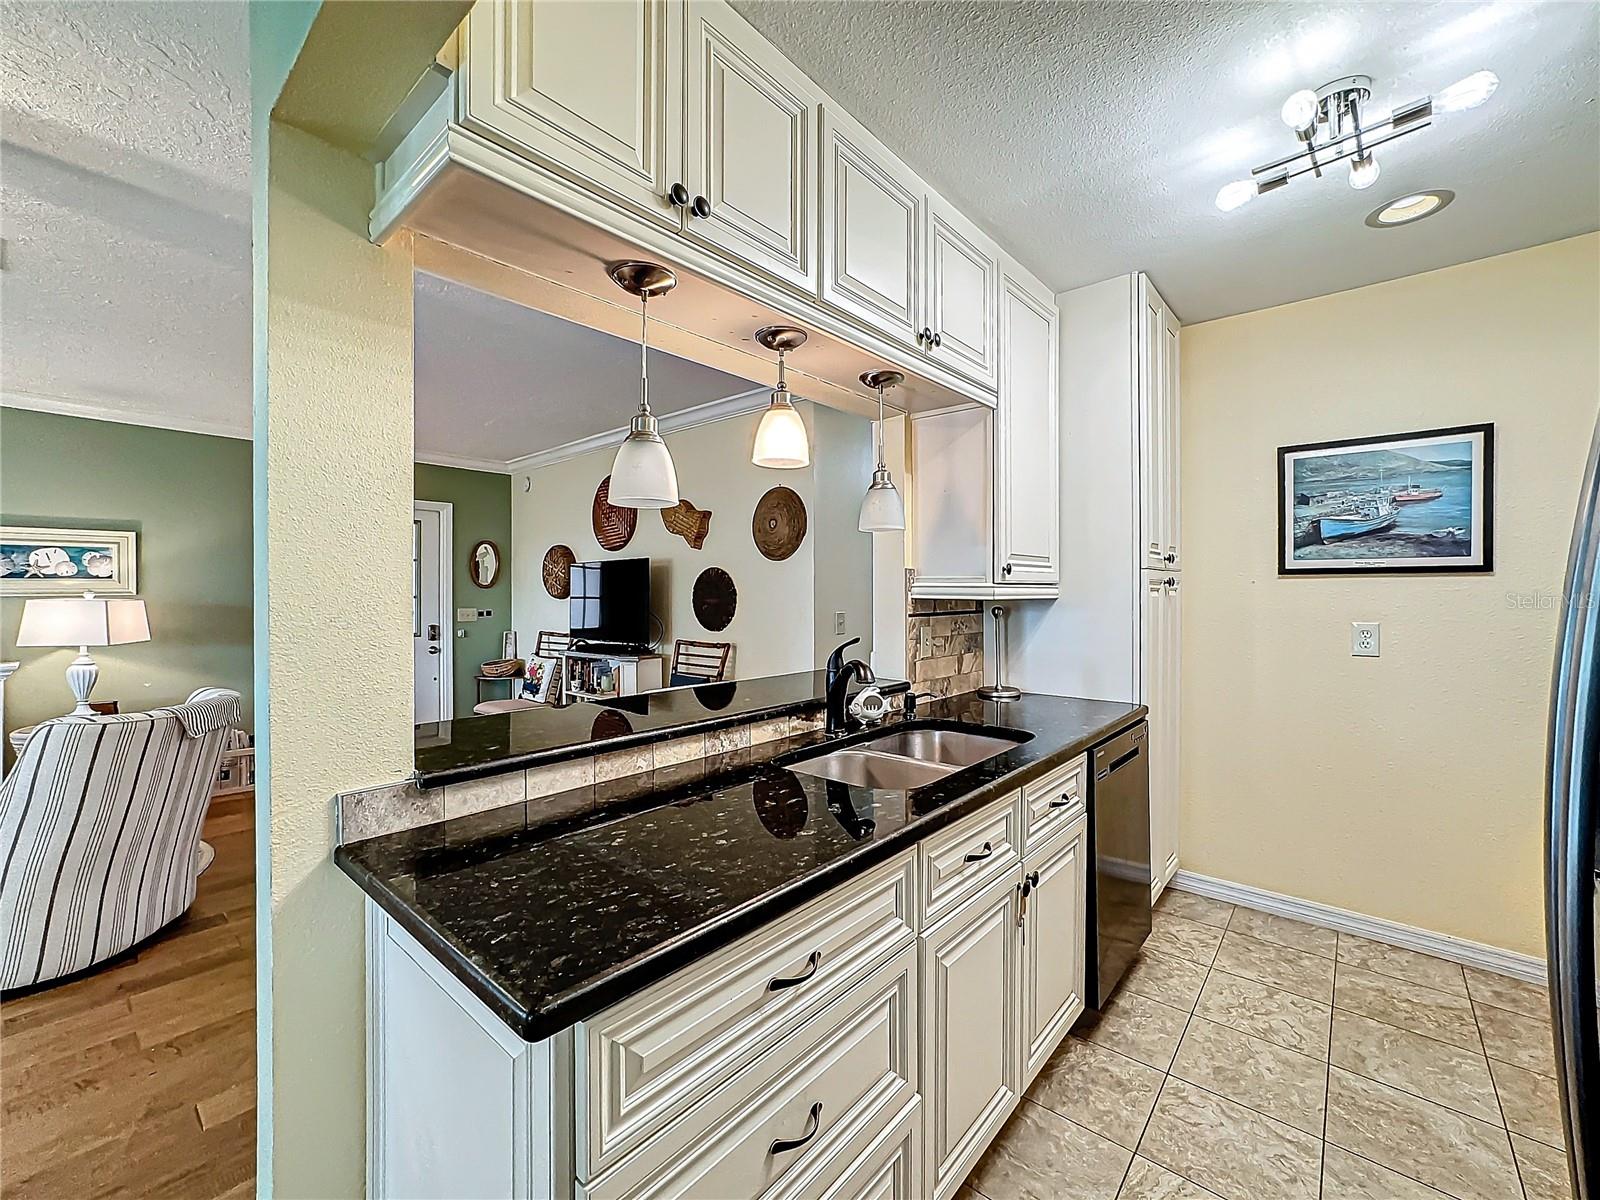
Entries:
{"x":1159,"y":652}
{"x":1172,"y":653}
{"x":970,"y":1029}
{"x":1173,"y":552}
{"x":751,"y":146}
{"x":591,"y":91}
{"x":1153,"y":471}
{"x":871,"y":230}
{"x":1028,"y":467}
{"x":963,"y":274}
{"x":1053,"y":944}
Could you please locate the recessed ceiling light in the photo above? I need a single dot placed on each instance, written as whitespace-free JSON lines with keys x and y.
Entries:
{"x":1409,"y":208}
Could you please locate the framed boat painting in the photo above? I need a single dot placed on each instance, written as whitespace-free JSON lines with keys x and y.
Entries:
{"x":68,"y":562}
{"x":1407,"y":502}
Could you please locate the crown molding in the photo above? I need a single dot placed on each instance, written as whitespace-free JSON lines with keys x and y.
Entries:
{"x":462,"y":463}
{"x":684,"y":418}
{"x":88,"y":410}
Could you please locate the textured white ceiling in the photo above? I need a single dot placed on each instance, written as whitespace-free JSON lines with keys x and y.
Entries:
{"x":125,"y":208}
{"x":1091,"y":138}
{"x":496,"y":381}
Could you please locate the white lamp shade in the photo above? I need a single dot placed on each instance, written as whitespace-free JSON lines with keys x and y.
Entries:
{"x":642,"y":475}
{"x":82,"y":621}
{"x":882,"y":510}
{"x":781,"y":439}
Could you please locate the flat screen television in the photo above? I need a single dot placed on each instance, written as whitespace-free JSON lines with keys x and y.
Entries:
{"x":609,"y":603}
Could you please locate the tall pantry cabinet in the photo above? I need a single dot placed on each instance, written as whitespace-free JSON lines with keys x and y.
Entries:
{"x":1114,"y":631}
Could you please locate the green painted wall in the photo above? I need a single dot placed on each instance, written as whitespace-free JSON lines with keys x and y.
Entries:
{"x":187,"y":495}
{"x":481,"y":502}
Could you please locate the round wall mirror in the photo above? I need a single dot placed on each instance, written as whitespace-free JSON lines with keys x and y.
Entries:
{"x":484,"y":564}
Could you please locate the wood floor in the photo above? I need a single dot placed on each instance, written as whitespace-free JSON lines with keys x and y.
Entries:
{"x":140,"y":1080}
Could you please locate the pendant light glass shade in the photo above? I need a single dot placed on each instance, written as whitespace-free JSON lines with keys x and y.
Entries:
{"x":642,"y":474}
{"x":781,"y":438}
{"x":882,"y":509}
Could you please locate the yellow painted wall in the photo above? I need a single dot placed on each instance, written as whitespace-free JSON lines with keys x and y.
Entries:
{"x":338,"y":472}
{"x":1407,"y":787}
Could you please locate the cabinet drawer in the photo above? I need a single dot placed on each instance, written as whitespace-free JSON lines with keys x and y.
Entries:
{"x":959,"y":861}
{"x":654,"y":1054}
{"x":1056,"y":800}
{"x":822,"y":1096}
{"x":890,"y":1168}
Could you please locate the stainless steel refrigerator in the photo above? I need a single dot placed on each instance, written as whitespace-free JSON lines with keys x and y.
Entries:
{"x":1572,"y":829}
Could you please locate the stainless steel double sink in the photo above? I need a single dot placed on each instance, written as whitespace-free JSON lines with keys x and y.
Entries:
{"x":904,"y":759}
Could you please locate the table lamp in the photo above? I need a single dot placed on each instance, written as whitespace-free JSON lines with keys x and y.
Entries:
{"x":82,"y":622}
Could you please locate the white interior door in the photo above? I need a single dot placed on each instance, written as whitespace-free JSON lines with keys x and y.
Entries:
{"x":432,"y":676}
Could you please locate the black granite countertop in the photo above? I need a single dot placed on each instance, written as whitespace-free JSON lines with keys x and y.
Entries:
{"x":550,"y":921}
{"x":475,"y":747}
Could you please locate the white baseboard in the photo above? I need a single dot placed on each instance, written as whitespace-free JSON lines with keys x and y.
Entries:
{"x":1408,"y":937}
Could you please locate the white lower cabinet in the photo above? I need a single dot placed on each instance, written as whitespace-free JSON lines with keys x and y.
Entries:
{"x":867,"y":1046}
{"x":970,"y":1023}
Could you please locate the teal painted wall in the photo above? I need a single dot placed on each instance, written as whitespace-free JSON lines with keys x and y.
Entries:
{"x":187,"y":495}
{"x":481,"y":504}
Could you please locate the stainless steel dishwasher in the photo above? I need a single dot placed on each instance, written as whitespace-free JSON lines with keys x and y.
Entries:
{"x":1119,"y":890}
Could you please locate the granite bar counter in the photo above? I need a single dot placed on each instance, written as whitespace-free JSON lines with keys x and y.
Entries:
{"x":476,"y":747}
{"x":550,"y":921}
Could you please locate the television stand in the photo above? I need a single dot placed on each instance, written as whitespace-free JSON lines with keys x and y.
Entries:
{"x":589,"y":674}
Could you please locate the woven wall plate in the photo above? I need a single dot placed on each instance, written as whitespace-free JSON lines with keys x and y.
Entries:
{"x":558,"y":562}
{"x":613,"y":526}
{"x":688,"y":522}
{"x":715,"y":599}
{"x":779,"y":524}
{"x":610,"y":724}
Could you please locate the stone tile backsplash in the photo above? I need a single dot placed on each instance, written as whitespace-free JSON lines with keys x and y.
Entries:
{"x":944,"y":646}
{"x":581,"y":784}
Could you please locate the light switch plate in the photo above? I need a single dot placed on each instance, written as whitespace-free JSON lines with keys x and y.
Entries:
{"x":1364,"y":642}
{"x":466,"y":614}
{"x":838,"y":622}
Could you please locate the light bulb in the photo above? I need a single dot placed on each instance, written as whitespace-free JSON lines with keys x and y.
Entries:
{"x":1468,"y":93}
{"x":1235,"y":194}
{"x":1363,"y":172}
{"x":1299,"y":111}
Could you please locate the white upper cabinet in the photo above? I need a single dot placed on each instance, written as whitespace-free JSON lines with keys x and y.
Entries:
{"x":750,"y":154}
{"x":1158,"y":429}
{"x":963,"y":272}
{"x":1028,"y":461}
{"x":871,"y":229}
{"x":591,"y":91}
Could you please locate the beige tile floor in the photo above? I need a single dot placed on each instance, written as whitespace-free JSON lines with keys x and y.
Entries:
{"x":1250,"y":1057}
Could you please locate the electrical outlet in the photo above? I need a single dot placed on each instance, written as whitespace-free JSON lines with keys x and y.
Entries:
{"x":1364,"y":639}
{"x":485,"y":613}
{"x":838,"y":622}
{"x":464,"y":615}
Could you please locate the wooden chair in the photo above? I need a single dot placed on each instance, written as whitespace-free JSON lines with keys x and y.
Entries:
{"x":699,"y":662}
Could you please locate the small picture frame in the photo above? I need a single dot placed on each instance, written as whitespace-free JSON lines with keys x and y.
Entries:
{"x":68,"y":562}
{"x":508,"y":644}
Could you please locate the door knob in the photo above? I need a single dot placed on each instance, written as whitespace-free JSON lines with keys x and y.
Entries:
{"x":1006,"y":570}
{"x":701,"y":207}
{"x":926,"y":336}
{"x":938,"y":339}
{"x":433,"y":649}
{"x":678,"y":195}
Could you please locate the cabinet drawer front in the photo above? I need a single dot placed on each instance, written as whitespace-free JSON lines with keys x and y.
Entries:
{"x":960,"y":861}
{"x":654,"y":1054}
{"x":818,"y":1097}
{"x":890,"y":1168}
{"x":1056,"y":800}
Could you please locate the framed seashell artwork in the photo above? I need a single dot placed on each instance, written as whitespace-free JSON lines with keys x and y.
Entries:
{"x":68,"y":562}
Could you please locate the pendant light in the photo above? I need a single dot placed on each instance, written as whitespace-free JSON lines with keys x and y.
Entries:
{"x":882,"y":510}
{"x":781,"y":440}
{"x":642,"y":475}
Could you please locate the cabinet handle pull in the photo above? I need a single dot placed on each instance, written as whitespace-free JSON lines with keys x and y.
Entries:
{"x":1066,"y":799}
{"x":980,"y":855}
{"x":777,"y":985}
{"x":701,"y":207}
{"x":678,"y":196}
{"x":813,"y":1123}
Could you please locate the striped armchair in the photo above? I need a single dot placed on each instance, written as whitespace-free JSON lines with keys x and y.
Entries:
{"x":100,"y":832}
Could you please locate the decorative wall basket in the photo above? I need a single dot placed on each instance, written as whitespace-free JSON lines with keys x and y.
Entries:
{"x":558,"y":562}
{"x":610,"y":724}
{"x":613,"y":526}
{"x":688,"y":522}
{"x":715,"y":599}
{"x":779,"y":524}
